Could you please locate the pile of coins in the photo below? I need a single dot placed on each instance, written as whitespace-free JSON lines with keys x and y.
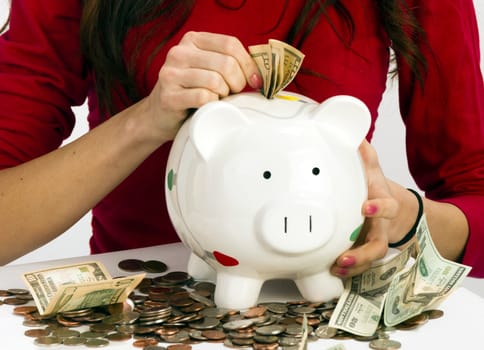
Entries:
{"x":176,"y":310}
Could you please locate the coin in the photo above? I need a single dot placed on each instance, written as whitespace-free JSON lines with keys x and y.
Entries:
{"x":141,"y":343}
{"x":131,"y":265}
{"x":385,"y":344}
{"x":36,"y":332}
{"x":14,"y":301}
{"x":73,"y":341}
{"x":23,"y":310}
{"x":96,"y":343}
{"x":154,"y":266}
{"x":325,"y":332}
{"x":434,"y":314}
{"x":47,"y":341}
{"x":118,"y":336}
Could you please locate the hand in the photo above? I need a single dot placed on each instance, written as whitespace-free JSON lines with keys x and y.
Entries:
{"x":379,"y":209}
{"x":203,"y":67}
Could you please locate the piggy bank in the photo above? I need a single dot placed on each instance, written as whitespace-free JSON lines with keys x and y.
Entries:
{"x":263,"y":189}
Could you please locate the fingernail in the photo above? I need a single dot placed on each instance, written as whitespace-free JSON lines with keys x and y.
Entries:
{"x":347,"y":261}
{"x":371,"y":209}
{"x":255,"y":81}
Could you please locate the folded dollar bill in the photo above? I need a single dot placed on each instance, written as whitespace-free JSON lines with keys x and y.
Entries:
{"x":278,"y":63}
{"x":77,"y":286}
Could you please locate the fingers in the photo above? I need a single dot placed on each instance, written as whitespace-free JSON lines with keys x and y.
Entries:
{"x":219,"y":55}
{"x":371,"y":245}
{"x":379,"y":209}
{"x":232,"y":58}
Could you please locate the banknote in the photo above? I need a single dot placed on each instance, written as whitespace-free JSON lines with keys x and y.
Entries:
{"x":398,"y":289}
{"x":278,"y":63}
{"x":360,"y":307}
{"x":423,"y":286}
{"x":77,"y":286}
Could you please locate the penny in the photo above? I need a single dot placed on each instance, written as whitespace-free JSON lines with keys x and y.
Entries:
{"x":179,"y":347}
{"x":213,"y":334}
{"x":131,"y":265}
{"x":14,"y":301}
{"x":255,"y":311}
{"x":23,"y":310}
{"x":385,"y":344}
{"x":141,"y":343}
{"x":37,"y":332}
{"x":434,"y":314}
{"x":5,"y":293}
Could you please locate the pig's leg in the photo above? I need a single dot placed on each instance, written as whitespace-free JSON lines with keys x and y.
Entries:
{"x":320,"y":287}
{"x":199,"y":269}
{"x":236,"y":292}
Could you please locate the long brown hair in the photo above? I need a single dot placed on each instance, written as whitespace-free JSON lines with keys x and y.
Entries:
{"x":105,"y":23}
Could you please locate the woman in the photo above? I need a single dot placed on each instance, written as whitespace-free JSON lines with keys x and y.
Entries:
{"x":144,"y":64}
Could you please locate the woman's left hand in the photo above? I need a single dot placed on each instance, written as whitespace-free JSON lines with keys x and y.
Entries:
{"x":379,"y":210}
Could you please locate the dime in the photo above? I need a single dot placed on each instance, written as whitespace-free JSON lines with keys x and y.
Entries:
{"x":385,"y":344}
{"x":131,"y":265}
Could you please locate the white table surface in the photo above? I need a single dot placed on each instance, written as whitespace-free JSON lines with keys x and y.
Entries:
{"x":460,"y":326}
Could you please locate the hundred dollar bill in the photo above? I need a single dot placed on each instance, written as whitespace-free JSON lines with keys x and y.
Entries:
{"x":425,"y":284}
{"x":76,"y":286}
{"x":360,"y":307}
{"x":278,"y":63}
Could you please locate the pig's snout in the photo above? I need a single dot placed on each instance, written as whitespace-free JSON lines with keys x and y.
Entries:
{"x":294,"y":226}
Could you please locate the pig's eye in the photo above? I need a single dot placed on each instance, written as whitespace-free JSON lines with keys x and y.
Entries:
{"x":315,"y":171}
{"x":267,"y":174}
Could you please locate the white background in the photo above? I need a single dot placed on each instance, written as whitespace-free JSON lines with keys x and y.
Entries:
{"x":388,"y":140}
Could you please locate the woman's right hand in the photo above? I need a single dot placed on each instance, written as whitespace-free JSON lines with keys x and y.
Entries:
{"x":203,"y":67}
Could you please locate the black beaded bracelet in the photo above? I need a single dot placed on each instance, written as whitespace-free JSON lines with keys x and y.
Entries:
{"x":413,"y":230}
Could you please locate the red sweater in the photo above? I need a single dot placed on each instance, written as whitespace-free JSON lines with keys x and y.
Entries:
{"x":41,"y":77}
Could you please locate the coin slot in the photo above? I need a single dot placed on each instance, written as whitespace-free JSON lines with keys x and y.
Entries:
{"x":310,"y":224}
{"x":285,"y":224}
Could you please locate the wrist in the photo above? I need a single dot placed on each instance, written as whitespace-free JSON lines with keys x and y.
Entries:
{"x":410,"y":233}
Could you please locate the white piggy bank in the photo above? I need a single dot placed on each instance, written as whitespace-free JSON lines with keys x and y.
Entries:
{"x":264,"y":189}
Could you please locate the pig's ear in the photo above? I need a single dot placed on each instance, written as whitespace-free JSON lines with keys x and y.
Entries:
{"x":345,"y":117}
{"x":213,"y":123}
